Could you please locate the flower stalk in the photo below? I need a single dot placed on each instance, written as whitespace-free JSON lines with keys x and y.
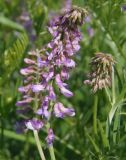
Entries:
{"x":39,"y":145}
{"x":95,"y":113}
{"x":102,"y":76}
{"x":51,"y":151}
{"x":113,"y":87}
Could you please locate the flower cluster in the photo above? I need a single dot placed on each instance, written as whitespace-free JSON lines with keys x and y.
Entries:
{"x":101,"y":71}
{"x":47,"y":70}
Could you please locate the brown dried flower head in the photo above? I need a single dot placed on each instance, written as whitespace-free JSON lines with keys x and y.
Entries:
{"x":101,"y":71}
{"x":75,"y":16}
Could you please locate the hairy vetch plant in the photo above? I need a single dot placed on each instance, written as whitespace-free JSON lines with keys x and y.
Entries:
{"x":101,"y":71}
{"x":45,"y":69}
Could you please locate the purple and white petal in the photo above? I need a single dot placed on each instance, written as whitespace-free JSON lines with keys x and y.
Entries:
{"x":69,"y":63}
{"x":52,"y":95}
{"x":37,"y":88}
{"x":66,"y":92}
{"x":24,"y":89}
{"x":34,"y":124}
{"x":46,"y":113}
{"x":58,"y":80}
{"x":27,"y":71}
{"x":64,"y":73}
{"x":39,"y":111}
{"x":61,"y":112}
{"x":50,"y":74}
{"x":45,"y":103}
{"x":43,"y":112}
{"x":29,"y":61}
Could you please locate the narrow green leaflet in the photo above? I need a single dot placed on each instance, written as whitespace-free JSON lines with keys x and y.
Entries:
{"x":9,"y":23}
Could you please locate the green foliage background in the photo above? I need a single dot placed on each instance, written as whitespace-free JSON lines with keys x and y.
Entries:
{"x":76,"y":138}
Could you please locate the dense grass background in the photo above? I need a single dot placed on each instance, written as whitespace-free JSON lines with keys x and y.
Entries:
{"x":84,"y":136}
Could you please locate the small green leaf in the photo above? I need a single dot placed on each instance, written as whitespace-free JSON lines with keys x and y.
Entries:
{"x":9,"y":23}
{"x":13,"y":55}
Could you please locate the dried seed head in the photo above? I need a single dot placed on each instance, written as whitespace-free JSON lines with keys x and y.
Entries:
{"x":75,"y":16}
{"x":101,"y":71}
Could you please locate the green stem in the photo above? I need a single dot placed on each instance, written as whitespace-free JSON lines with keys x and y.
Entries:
{"x":51,"y":151}
{"x":108,"y":94}
{"x":35,"y":131}
{"x":95,"y":114}
{"x":39,"y":145}
{"x":113,"y":86}
{"x":112,"y":102}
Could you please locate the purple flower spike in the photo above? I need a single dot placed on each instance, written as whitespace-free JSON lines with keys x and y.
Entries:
{"x":37,"y":88}
{"x":34,"y":124}
{"x":61,"y":112}
{"x":48,"y":68}
{"x":50,"y":137}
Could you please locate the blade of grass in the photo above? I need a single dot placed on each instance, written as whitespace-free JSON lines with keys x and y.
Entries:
{"x":103,"y":135}
{"x":97,"y":149}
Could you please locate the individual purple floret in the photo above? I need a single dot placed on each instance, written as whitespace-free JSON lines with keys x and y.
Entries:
{"x":34,"y":124}
{"x":61,"y":112}
{"x":48,"y":69}
{"x":50,"y":137}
